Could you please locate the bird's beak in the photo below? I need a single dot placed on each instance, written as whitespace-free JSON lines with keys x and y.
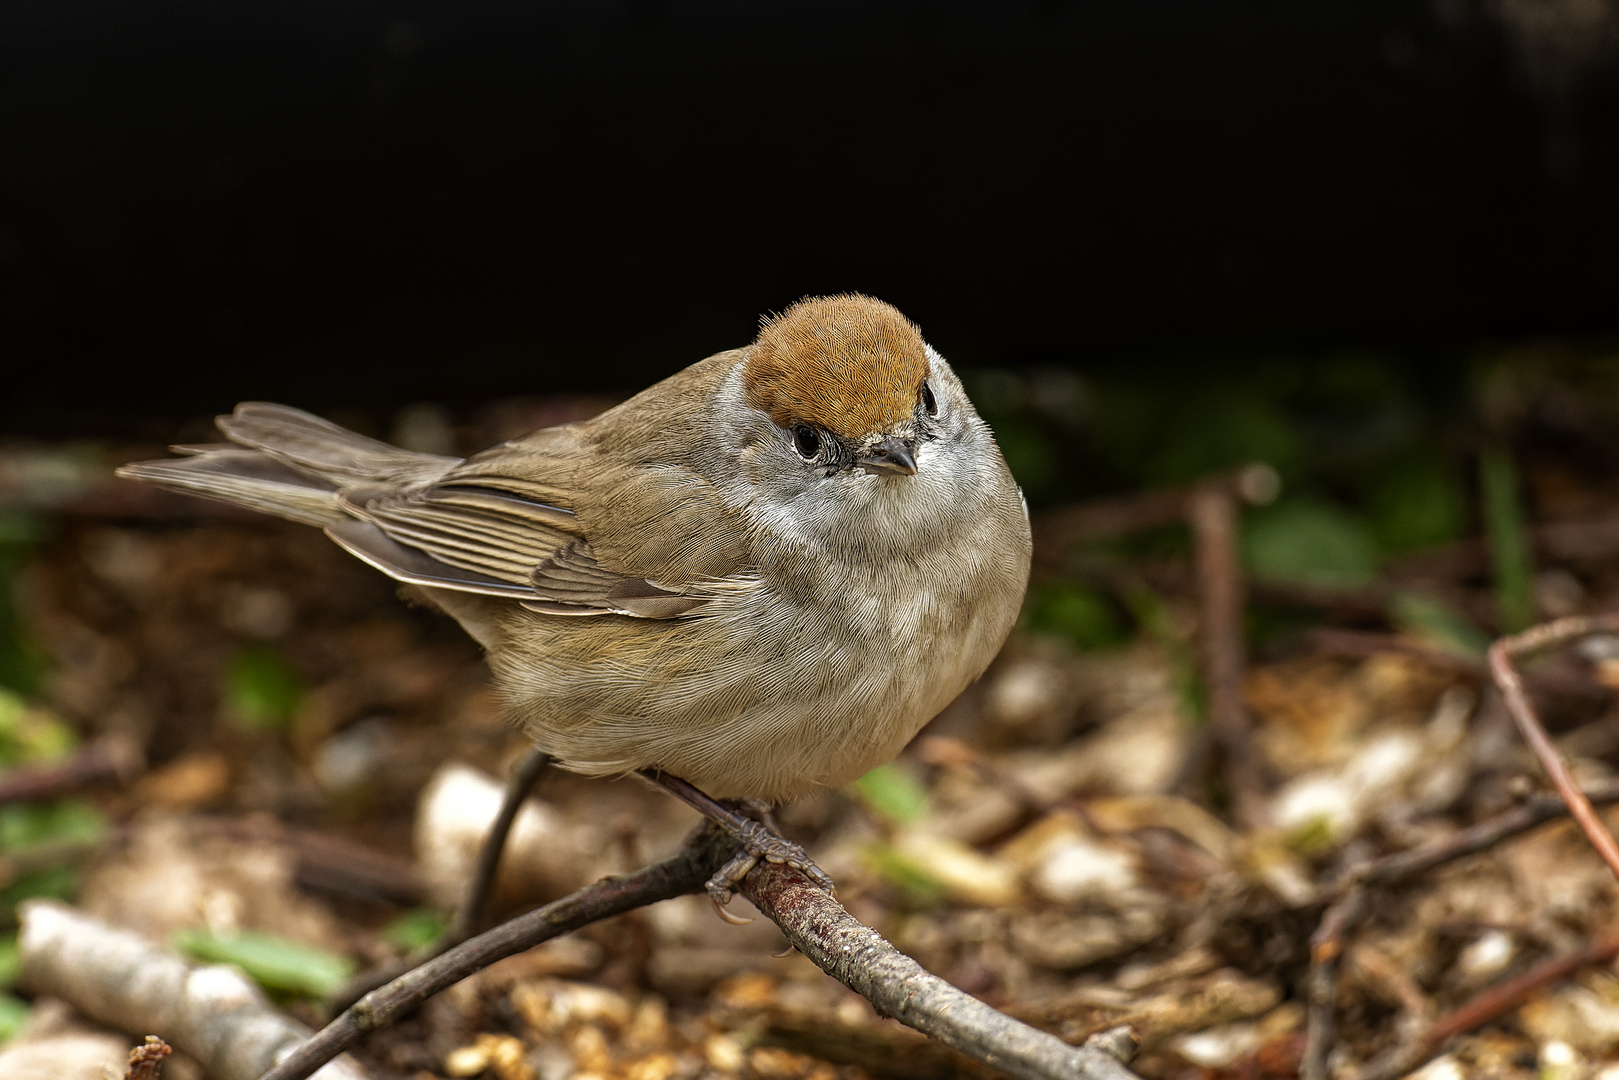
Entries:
{"x":888,"y":455}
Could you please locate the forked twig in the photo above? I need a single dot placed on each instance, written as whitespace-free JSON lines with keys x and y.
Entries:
{"x":475,"y":908}
{"x":685,"y":873}
{"x":812,"y":921}
{"x":1534,"y":732}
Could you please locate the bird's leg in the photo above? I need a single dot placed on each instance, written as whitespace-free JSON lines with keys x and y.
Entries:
{"x":759,"y":838}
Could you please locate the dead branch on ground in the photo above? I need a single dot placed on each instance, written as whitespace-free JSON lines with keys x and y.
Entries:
{"x":211,"y":1013}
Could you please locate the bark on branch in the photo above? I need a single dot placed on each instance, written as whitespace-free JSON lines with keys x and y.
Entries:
{"x":859,"y":958}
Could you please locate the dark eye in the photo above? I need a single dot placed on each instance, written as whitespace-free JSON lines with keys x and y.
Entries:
{"x":927,"y":400}
{"x":807,"y":441}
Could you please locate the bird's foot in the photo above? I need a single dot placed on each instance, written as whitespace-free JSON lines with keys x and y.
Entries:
{"x":760,"y":842}
{"x":750,"y":824}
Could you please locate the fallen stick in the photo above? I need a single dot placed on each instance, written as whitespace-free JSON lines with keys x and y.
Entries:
{"x":1326,"y":951}
{"x":120,"y":979}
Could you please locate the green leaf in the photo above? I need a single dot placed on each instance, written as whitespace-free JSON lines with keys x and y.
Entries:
{"x":893,"y":794}
{"x":64,"y":822}
{"x":895,"y":868}
{"x":1308,"y":542}
{"x":13,"y":1013}
{"x":416,"y":929}
{"x":261,"y":689}
{"x":1509,"y":540}
{"x":272,"y":962}
{"x":30,"y":734}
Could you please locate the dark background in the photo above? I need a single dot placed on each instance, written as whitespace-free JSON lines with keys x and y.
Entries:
{"x":370,"y":203}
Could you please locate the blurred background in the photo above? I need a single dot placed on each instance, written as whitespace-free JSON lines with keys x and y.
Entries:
{"x":1366,"y":245}
{"x":379,"y":203}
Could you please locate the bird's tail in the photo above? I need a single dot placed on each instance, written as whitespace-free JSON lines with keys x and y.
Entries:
{"x":288,"y":463}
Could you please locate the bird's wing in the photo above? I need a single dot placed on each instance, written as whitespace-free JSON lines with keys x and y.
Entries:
{"x":488,"y":531}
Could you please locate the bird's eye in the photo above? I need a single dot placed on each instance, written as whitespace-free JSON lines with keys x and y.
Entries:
{"x":807,"y":442}
{"x":928,"y":403}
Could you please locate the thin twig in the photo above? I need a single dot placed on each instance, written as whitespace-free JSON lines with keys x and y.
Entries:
{"x":1499,"y":999}
{"x":474,"y":909}
{"x":899,"y":987}
{"x":685,"y":873}
{"x":1531,"y":813}
{"x":1211,"y":511}
{"x":1534,"y":732}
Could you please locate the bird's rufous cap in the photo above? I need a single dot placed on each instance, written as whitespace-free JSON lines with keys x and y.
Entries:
{"x":849,"y":364}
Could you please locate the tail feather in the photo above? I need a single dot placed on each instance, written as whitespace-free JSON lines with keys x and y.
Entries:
{"x":288,"y":463}
{"x":334,"y":452}
{"x":248,"y":478}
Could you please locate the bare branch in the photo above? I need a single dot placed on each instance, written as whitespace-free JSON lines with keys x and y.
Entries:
{"x":1490,"y":1004}
{"x":1122,"y":514}
{"x":1340,"y":919}
{"x":1532,"y":813}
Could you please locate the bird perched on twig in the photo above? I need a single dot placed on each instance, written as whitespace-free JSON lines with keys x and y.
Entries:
{"x":760,"y":576}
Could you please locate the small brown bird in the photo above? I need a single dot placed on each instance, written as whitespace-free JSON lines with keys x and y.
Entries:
{"x":762,"y":575}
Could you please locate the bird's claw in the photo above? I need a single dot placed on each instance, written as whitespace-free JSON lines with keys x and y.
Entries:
{"x":760,"y":842}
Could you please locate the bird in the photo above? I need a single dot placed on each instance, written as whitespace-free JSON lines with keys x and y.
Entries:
{"x":757,"y":578}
